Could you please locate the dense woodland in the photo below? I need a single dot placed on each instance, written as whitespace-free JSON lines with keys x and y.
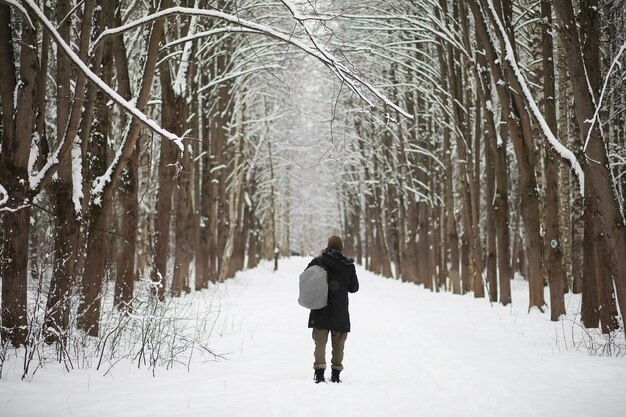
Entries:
{"x":169,"y":144}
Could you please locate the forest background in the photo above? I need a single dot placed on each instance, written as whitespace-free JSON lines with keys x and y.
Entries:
{"x":151,"y":148}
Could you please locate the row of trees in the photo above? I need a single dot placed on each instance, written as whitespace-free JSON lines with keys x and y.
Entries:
{"x":90,"y":195}
{"x":160,"y":140}
{"x":514,"y":159}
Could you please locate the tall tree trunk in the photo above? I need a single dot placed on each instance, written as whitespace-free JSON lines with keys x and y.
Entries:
{"x":128,"y":194}
{"x":125,"y":276}
{"x":203,"y":203}
{"x":174,"y":183}
{"x":89,"y":310}
{"x":182,"y":251}
{"x":518,"y":121}
{"x":554,"y":258}
{"x":452,"y":238}
{"x":565,"y":183}
{"x":496,"y":189}
{"x":490,"y":180}
{"x":603,"y":218}
{"x":458,"y":82}
{"x":501,"y":207}
{"x":66,"y":221}
{"x":98,"y":215}
{"x":465,"y":262}
{"x":171,"y":119}
{"x":18,"y":128}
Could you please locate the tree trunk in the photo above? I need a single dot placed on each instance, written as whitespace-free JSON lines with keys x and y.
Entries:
{"x":125,"y":276}
{"x":98,"y":215}
{"x":490,"y":180}
{"x":18,"y":128}
{"x":171,"y":119}
{"x":554,"y":258}
{"x":497,"y":189}
{"x":518,"y":121}
{"x":66,"y":221}
{"x":603,"y":218}
{"x":465,"y":264}
{"x":457,"y":80}
{"x":182,"y":196}
{"x":565,"y":183}
{"x":89,"y":310}
{"x":203,"y":204}
{"x":452,"y":238}
{"x":501,"y":207}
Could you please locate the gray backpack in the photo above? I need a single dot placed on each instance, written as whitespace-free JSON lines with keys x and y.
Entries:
{"x":313,"y":288}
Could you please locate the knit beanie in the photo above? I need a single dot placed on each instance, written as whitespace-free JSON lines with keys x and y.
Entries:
{"x":335,"y":242}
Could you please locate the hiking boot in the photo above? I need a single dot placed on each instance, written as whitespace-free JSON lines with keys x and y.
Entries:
{"x":334,"y":377}
{"x":319,"y":376}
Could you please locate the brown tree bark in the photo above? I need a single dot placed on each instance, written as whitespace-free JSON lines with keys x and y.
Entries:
{"x":603,"y":219}
{"x":182,"y":221}
{"x":518,"y":121}
{"x":203,"y":204}
{"x":554,"y":258}
{"x":460,"y":91}
{"x":68,"y":121}
{"x":501,"y":207}
{"x":254,"y":228}
{"x":89,"y":310}
{"x":128,"y":193}
{"x":129,"y":202}
{"x":66,"y":222}
{"x":183,"y":177}
{"x":452,"y":238}
{"x":409,"y":246}
{"x":18,"y":128}
{"x":496,"y":190}
{"x":219,"y":120}
{"x":171,"y":118}
{"x":490,"y":180}
{"x":498,"y":256}
{"x":566,"y":183}
{"x":465,"y":263}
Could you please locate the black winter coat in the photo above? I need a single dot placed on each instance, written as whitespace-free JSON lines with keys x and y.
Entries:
{"x":342,"y":279}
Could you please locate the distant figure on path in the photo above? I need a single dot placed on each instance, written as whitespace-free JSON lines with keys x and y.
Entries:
{"x":333,"y":318}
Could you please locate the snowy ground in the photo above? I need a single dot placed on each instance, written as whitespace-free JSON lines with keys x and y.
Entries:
{"x":410,"y":353}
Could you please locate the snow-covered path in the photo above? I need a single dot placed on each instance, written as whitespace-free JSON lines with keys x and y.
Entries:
{"x":410,"y":353}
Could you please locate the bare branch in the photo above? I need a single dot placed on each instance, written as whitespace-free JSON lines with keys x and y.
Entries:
{"x":92,"y":77}
{"x":341,"y":70}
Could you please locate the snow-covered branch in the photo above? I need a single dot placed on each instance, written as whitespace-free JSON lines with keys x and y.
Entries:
{"x":439,"y":31}
{"x":353,"y":80}
{"x":564,"y":152}
{"x":599,"y":104}
{"x":4,"y":195}
{"x":21,"y":8}
{"x":4,"y":199}
{"x":300,"y":17}
{"x":180,"y":82}
{"x":207,"y":33}
{"x":92,"y":77}
{"x":36,"y":178}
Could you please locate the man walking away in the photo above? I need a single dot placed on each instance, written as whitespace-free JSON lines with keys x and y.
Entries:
{"x":335,"y":317}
